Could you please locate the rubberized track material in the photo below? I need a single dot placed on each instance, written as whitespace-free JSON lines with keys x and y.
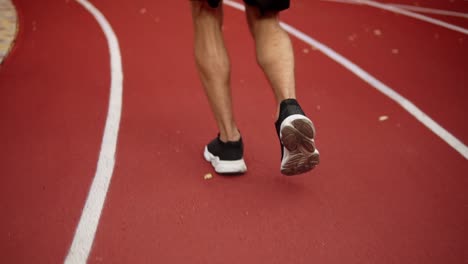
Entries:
{"x":388,"y":190}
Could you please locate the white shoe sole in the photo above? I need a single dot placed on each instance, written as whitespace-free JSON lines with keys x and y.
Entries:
{"x":225,"y":166}
{"x":299,"y":153}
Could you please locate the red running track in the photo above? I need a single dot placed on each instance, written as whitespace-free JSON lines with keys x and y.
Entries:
{"x":386,"y":192}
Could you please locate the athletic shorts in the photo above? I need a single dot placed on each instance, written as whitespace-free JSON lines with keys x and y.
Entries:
{"x":264,"y":5}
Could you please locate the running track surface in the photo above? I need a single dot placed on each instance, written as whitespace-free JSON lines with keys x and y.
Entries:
{"x":386,"y":191}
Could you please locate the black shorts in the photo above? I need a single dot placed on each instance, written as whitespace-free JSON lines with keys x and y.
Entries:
{"x":264,"y":5}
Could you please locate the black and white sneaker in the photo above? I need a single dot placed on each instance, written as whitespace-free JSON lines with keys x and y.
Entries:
{"x":226,"y":157}
{"x":296,"y":133}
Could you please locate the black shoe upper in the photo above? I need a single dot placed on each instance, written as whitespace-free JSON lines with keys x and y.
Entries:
{"x":288,"y":107}
{"x":231,"y":150}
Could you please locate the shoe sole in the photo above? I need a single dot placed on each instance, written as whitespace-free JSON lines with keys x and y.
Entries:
{"x":225,"y":166}
{"x":299,"y":152}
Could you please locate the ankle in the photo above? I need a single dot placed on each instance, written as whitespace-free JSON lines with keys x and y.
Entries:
{"x":231,"y":135}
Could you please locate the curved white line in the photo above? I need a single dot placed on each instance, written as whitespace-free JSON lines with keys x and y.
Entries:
{"x":435,"y":11}
{"x":86,"y":230}
{"x":374,"y":82}
{"x":418,"y":9}
{"x":396,"y":9}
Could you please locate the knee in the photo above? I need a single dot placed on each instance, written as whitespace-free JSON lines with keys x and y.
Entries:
{"x":260,"y":21}
{"x":199,"y":6}
{"x":203,"y":9}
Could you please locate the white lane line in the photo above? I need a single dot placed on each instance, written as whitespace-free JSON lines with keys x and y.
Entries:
{"x":434,"y":11}
{"x":396,"y":9}
{"x":374,"y":82}
{"x":418,"y":9}
{"x":86,"y":230}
